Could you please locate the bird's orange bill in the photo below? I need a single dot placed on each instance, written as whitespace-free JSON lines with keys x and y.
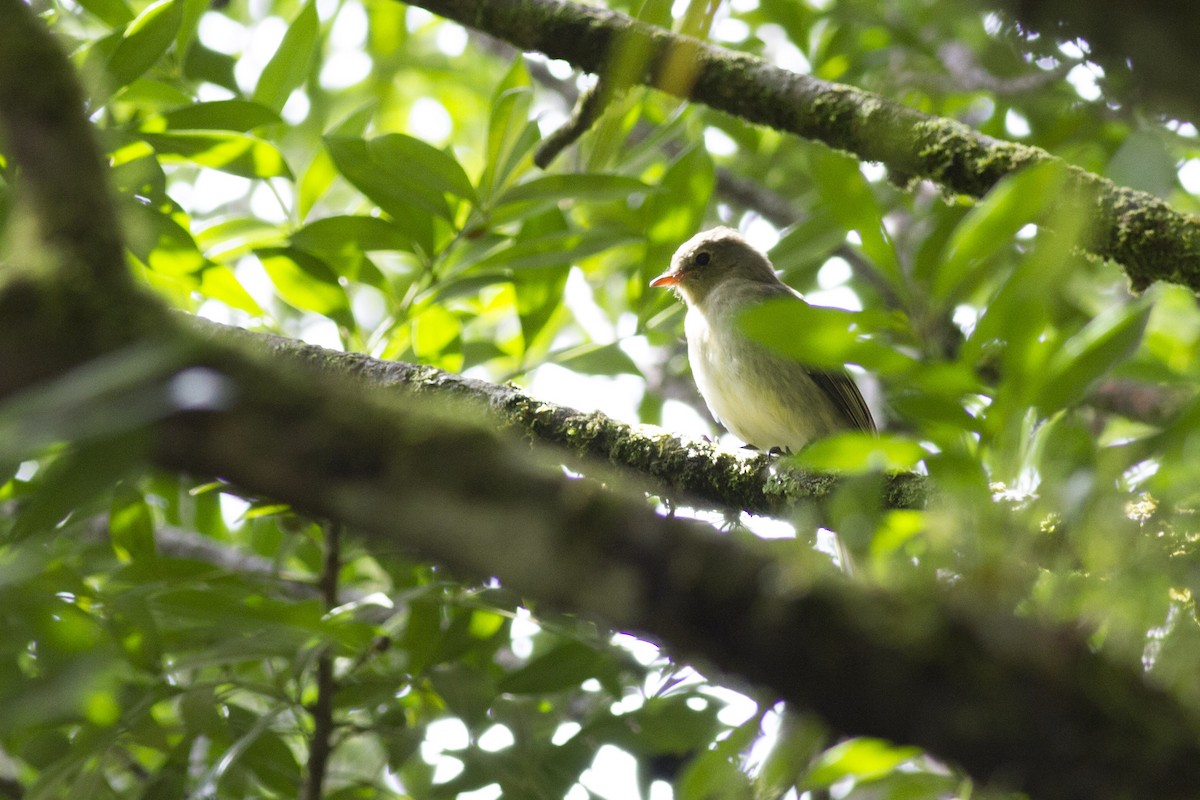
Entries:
{"x":666,"y":279}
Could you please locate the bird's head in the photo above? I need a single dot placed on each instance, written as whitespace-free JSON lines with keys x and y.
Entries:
{"x":712,"y":259}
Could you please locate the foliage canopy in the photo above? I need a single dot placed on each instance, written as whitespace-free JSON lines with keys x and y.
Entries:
{"x":362,"y":174}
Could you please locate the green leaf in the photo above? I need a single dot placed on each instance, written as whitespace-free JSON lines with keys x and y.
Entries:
{"x":230,"y":239}
{"x":564,"y":667}
{"x":76,"y":479}
{"x":131,"y":525}
{"x":389,"y":158}
{"x":343,"y":233}
{"x":145,"y":41}
{"x":825,"y":338}
{"x":862,"y":759}
{"x":203,"y":64}
{"x":114,"y":13}
{"x":221,"y":115}
{"x":235,"y":153}
{"x":1145,"y":162}
{"x":291,"y":63}
{"x":1082,"y":359}
{"x":573,"y":186}
{"x":511,"y":134}
{"x":676,"y":211}
{"x":423,"y":163}
{"x":218,"y":282}
{"x":596,"y":359}
{"x":356,"y":163}
{"x":343,"y":242}
{"x":467,"y":691}
{"x":991,"y":227}
{"x":307,"y":283}
{"x":848,"y":195}
{"x":160,"y":242}
{"x":858,"y":453}
{"x":558,"y":248}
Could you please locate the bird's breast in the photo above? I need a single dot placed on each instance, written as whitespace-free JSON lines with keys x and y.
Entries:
{"x":764,"y":399}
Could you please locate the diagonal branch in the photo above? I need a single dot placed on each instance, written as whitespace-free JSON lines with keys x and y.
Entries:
{"x":1142,"y":232}
{"x":694,"y":471}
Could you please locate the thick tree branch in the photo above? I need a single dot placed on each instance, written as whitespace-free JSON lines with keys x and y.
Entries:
{"x":46,"y":134}
{"x":693,"y":471}
{"x":1142,"y":232}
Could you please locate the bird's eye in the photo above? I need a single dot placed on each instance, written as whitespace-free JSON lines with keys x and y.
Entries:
{"x":702,"y":258}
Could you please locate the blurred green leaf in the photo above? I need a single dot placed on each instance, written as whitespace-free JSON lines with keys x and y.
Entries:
{"x":573,"y":186}
{"x":114,"y":13}
{"x":596,"y":359}
{"x":343,"y":233}
{"x":144,"y":41}
{"x":131,"y":525}
{"x":235,"y":153}
{"x":306,"y":282}
{"x":854,"y":453}
{"x":76,"y":479}
{"x":564,"y":667}
{"x":851,"y":200}
{"x":203,"y":64}
{"x":1089,"y":354}
{"x":1144,"y":162}
{"x":825,"y":338}
{"x":861,"y":759}
{"x":511,"y":134}
{"x":674,"y":213}
{"x":555,"y":248}
{"x":991,"y":226}
{"x":222,"y":115}
{"x":292,"y":62}
{"x":467,"y":691}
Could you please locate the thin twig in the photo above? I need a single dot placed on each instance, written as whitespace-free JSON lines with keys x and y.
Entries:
{"x":321,"y":745}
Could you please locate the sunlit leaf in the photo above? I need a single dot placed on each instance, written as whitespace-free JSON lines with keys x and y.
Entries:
{"x":991,"y":227}
{"x":851,"y":453}
{"x":306,"y":282}
{"x":338,"y":234}
{"x":224,"y":115}
{"x":219,"y":283}
{"x":114,"y":13}
{"x":1090,"y":353}
{"x":422,"y":163}
{"x":849,"y":197}
{"x":145,"y":41}
{"x":862,"y":759}
{"x":511,"y":134}
{"x":291,"y":63}
{"x":131,"y":525}
{"x":596,"y":359}
{"x":559,"y":248}
{"x":391,"y":192}
{"x":575,"y":186}
{"x":235,"y":153}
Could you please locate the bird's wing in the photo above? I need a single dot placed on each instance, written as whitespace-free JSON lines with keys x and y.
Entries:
{"x":843,"y":391}
{"x":838,"y":386}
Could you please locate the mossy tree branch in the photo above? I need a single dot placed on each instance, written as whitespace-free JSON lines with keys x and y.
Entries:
{"x":1142,"y":232}
{"x":692,"y":471}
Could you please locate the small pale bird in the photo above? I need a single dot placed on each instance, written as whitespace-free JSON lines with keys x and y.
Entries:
{"x":763,"y":397}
